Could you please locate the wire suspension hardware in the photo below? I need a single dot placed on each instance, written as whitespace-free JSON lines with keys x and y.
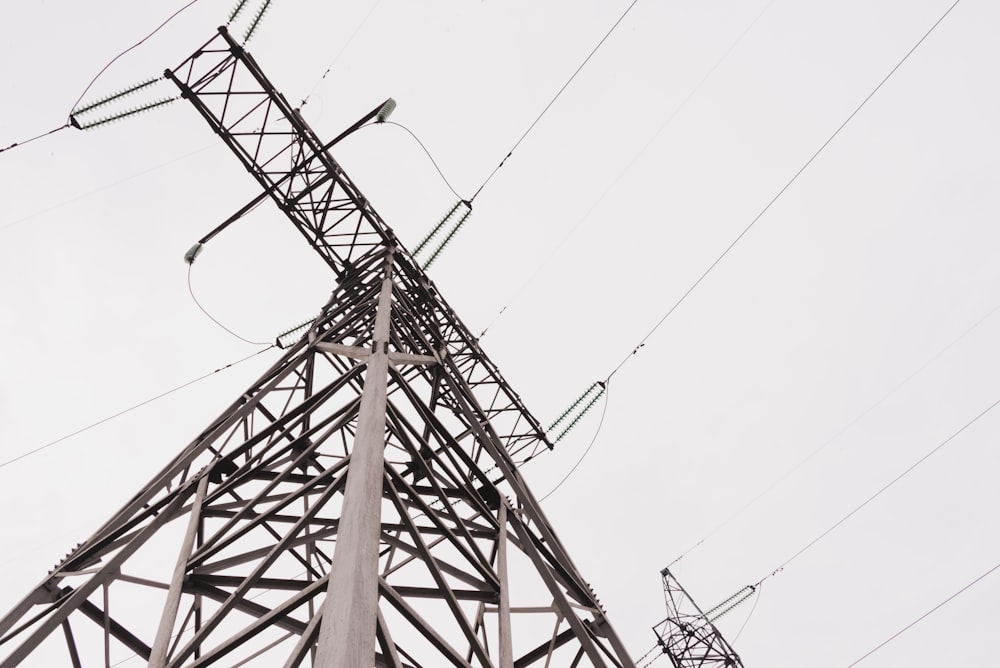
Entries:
{"x":437,"y":228}
{"x":462,"y":218}
{"x":574,"y":413}
{"x":100,"y":102}
{"x":731,"y":603}
{"x":256,"y":21}
{"x":290,"y":336}
{"x":237,"y":10}
{"x":87,"y":125}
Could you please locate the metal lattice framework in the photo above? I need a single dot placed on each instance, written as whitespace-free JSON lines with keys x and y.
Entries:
{"x":359,"y":504}
{"x":687,"y":636}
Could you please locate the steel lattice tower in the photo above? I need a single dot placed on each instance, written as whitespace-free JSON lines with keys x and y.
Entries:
{"x":360,"y":504}
{"x":688,"y":636}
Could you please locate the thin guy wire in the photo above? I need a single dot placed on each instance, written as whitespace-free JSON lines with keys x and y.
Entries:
{"x":923,"y":616}
{"x":885,"y":487}
{"x":132,"y":408}
{"x":787,"y":474}
{"x":552,"y":101}
{"x":783,"y":189}
{"x":212,"y":318}
{"x":593,"y":440}
{"x":628,"y":167}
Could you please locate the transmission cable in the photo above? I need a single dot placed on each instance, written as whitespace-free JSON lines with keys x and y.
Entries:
{"x":107,"y":186}
{"x":787,"y":185}
{"x":69,"y":122}
{"x":874,"y":496}
{"x":213,"y":318}
{"x":885,"y":487}
{"x":132,"y":408}
{"x":429,"y":156}
{"x":552,"y":101}
{"x":802,"y":462}
{"x":923,"y":616}
{"x":340,"y":53}
{"x":673,"y":114}
{"x":459,"y":214}
{"x":586,"y":451}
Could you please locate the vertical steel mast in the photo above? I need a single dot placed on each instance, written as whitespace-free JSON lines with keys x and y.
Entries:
{"x":360,"y":504}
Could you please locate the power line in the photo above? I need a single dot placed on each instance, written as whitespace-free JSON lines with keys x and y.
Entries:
{"x":104,"y":187}
{"x":69,"y":121}
{"x":36,"y":137}
{"x":787,"y":185}
{"x":134,"y":46}
{"x":628,"y":167}
{"x":586,"y":451}
{"x":923,"y":616}
{"x":883,"y":489}
{"x":212,"y":318}
{"x":340,"y":53}
{"x":552,"y":101}
{"x":431,"y":157}
{"x":802,"y":462}
{"x":131,"y":408}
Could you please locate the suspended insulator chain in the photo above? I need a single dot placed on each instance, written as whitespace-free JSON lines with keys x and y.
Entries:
{"x":436,"y":229}
{"x":86,"y":125}
{"x":733,"y":601}
{"x":237,"y":10}
{"x":576,"y":411}
{"x":111,"y":98}
{"x":572,"y":406}
{"x":290,"y":336}
{"x":447,"y":239}
{"x":256,"y":21}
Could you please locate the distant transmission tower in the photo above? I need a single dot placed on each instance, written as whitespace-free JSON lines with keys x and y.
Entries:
{"x":359,"y":505}
{"x":688,"y":636}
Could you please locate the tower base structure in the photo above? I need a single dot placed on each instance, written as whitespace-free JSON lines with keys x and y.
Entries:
{"x":359,"y":505}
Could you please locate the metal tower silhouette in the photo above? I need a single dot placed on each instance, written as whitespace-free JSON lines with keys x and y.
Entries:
{"x":360,"y":504}
{"x":688,"y":636}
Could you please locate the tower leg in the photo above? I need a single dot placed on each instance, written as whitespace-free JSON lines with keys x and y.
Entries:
{"x":350,"y":611}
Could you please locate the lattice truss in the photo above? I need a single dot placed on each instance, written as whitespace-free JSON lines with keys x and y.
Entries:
{"x":687,"y":636}
{"x":224,"y":557}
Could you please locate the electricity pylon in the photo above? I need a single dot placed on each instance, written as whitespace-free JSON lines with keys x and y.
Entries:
{"x":688,"y":636}
{"x":360,"y":504}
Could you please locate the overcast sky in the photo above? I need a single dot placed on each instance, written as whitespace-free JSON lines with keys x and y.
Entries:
{"x":858,"y":317}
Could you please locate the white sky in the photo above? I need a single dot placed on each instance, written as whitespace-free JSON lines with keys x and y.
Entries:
{"x":879,"y":257}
